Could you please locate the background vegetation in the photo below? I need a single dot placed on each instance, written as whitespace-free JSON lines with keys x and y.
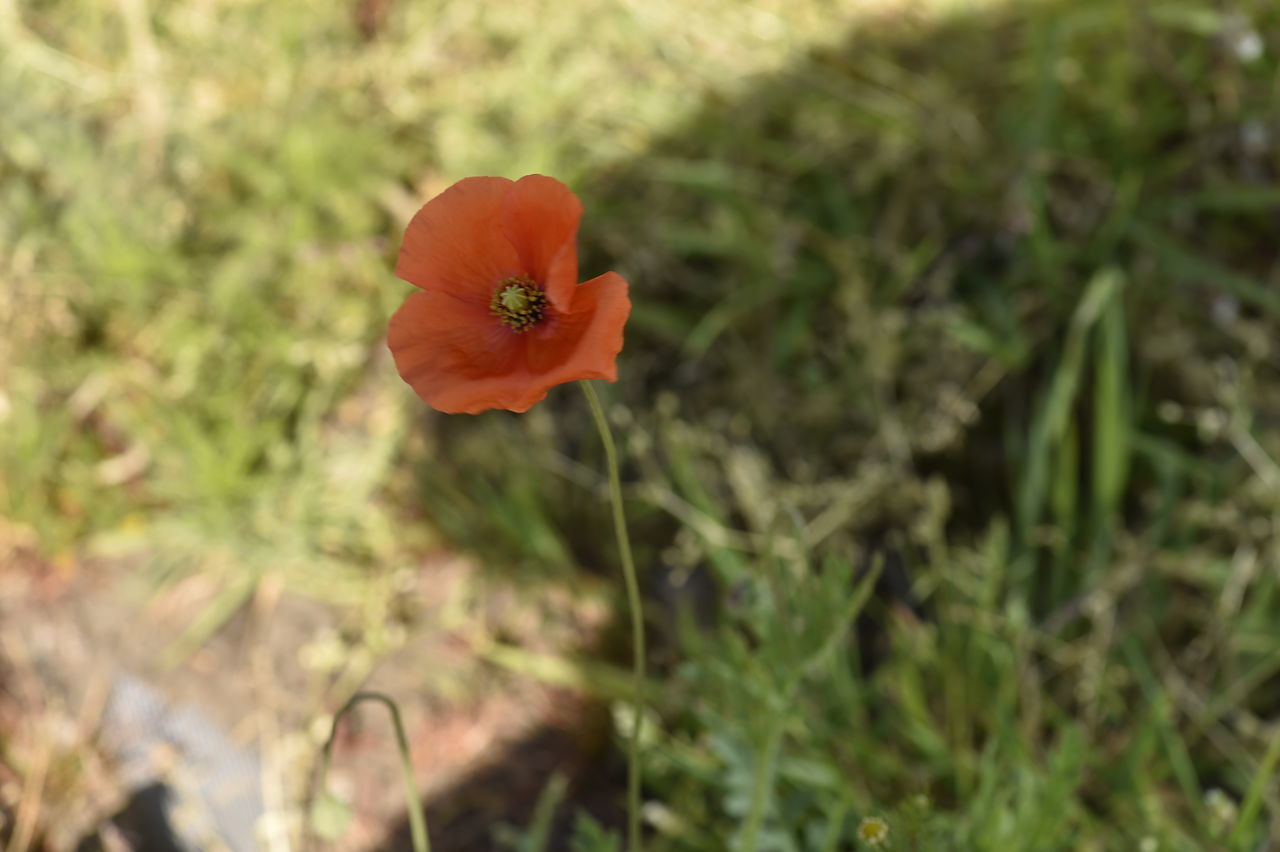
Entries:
{"x":977,"y":299}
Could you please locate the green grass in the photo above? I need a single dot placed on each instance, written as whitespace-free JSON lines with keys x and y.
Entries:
{"x":982,"y":296}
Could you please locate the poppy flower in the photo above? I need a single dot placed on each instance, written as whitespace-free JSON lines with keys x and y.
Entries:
{"x":500,"y":317}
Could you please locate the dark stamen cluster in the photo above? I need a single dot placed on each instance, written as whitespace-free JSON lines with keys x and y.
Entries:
{"x":518,"y":303}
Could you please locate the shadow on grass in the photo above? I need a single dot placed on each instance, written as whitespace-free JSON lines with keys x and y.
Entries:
{"x":867,"y":272}
{"x":505,"y":793}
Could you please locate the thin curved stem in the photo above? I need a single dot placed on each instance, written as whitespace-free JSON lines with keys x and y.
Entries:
{"x":637,"y":616}
{"x":413,"y":802}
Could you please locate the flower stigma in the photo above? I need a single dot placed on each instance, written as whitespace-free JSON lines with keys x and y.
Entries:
{"x":518,"y":303}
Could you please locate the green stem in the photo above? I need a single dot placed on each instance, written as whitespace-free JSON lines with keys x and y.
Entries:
{"x":413,"y":802}
{"x":761,"y":782}
{"x":637,"y":615}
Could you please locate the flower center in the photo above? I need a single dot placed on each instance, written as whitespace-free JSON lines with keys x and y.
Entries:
{"x":518,"y":303}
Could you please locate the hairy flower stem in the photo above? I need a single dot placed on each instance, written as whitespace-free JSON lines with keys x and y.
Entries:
{"x":413,"y":802}
{"x":637,"y":617}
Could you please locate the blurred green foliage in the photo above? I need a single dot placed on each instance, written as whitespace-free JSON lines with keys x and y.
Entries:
{"x":981,"y":297}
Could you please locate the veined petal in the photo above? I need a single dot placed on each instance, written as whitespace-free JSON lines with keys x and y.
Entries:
{"x":455,"y":244}
{"x":456,"y":356}
{"x":540,"y":217}
{"x":583,"y":343}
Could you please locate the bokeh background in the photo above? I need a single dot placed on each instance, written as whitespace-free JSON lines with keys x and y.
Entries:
{"x":977,"y":299}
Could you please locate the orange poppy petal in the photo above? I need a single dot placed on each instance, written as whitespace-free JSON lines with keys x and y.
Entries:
{"x":540,"y":217}
{"x":457,"y":358}
{"x":584,"y":343}
{"x":455,"y":243}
